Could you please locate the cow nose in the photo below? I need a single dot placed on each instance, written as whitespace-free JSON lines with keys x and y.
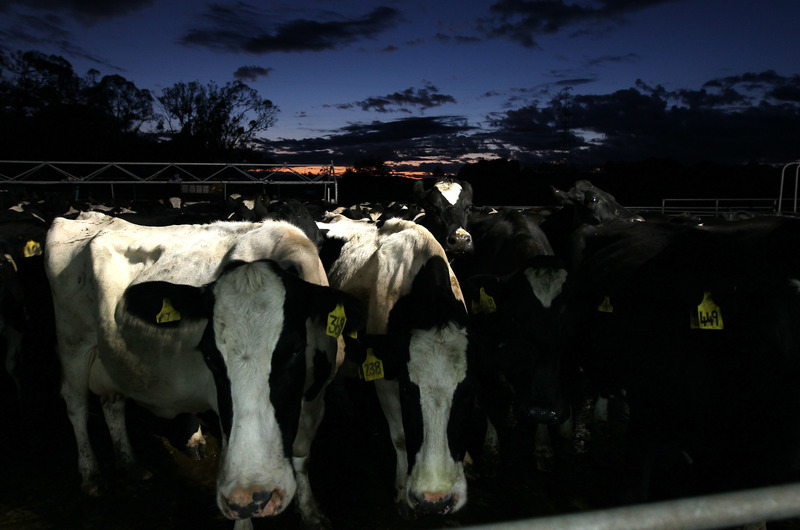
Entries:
{"x":434,"y":503}
{"x":459,"y":241}
{"x":543,"y":415}
{"x":244,"y":503}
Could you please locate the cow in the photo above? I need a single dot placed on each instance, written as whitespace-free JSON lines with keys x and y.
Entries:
{"x":512,"y":284}
{"x":583,"y":208}
{"x":699,"y":326}
{"x":446,"y":205}
{"x":417,"y":329}
{"x":233,"y":317}
{"x":25,"y":305}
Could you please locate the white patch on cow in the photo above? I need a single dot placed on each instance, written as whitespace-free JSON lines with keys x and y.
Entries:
{"x":437,"y":364}
{"x":795,"y":283}
{"x":546,"y":283}
{"x":449,"y":190}
{"x":247,"y":323}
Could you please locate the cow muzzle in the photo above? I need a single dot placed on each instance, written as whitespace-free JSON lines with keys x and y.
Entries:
{"x":546,"y":415}
{"x":434,"y":503}
{"x":244,"y":503}
{"x":459,"y":242}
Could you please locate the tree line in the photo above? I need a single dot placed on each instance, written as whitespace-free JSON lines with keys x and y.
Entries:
{"x":48,"y":112}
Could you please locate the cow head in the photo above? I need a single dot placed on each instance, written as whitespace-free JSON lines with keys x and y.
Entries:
{"x":516,"y":321}
{"x":427,"y":335}
{"x":446,"y":205}
{"x":267,"y":346}
{"x":594,"y":206}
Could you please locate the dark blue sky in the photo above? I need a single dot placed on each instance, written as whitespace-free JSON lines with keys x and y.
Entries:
{"x":446,"y":82}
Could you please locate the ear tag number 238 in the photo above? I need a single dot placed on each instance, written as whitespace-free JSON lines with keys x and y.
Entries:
{"x":373,"y":367}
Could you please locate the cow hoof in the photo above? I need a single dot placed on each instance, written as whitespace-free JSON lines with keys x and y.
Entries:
{"x":138,"y":472}
{"x":94,"y":486}
{"x":318,"y":522}
{"x":545,"y":462}
{"x":405,"y":511}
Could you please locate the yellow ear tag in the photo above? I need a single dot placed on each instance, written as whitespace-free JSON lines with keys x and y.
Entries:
{"x":709,"y":315}
{"x":605,"y":306}
{"x":353,"y":334}
{"x":373,"y":367}
{"x":487,"y":302}
{"x":32,"y":248}
{"x":336,"y":321}
{"x":167,"y":313}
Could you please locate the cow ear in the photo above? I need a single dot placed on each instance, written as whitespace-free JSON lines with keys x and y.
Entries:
{"x":419,"y":191}
{"x":481,"y":293}
{"x":165,"y":303}
{"x":467,"y":191}
{"x":342,"y":312}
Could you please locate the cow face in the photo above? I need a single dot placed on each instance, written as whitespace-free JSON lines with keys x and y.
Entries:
{"x":427,"y":331}
{"x":446,"y":206}
{"x":261,"y":322}
{"x":517,"y":319}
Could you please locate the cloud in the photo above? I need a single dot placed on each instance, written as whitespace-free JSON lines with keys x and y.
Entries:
{"x":424,"y":98}
{"x":251,"y":73}
{"x":239,"y":28}
{"x":86,"y":11}
{"x":521,"y":21}
{"x":24,"y":31}
{"x":402,"y":140}
{"x":728,"y":120}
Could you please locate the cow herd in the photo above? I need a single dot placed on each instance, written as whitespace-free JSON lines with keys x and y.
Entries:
{"x":482,"y":332}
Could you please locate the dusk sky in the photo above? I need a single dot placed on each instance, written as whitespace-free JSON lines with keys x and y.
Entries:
{"x":441,"y":83}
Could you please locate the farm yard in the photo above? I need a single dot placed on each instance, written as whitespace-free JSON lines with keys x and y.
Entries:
{"x":352,"y":461}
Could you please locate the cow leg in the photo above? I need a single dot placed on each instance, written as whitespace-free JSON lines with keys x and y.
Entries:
{"x":75,"y":392}
{"x":311,"y":413}
{"x":13,"y":346}
{"x":114,"y":414}
{"x":389,"y":397}
{"x":543,"y":448}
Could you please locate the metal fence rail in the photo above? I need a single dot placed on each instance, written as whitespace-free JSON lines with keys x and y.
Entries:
{"x":712,"y":511}
{"x":28,"y":172}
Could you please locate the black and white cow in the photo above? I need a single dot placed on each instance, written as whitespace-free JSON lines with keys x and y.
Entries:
{"x":233,"y":317}
{"x":446,"y":207}
{"x":417,"y":327}
{"x":699,"y":325}
{"x":513,"y":286}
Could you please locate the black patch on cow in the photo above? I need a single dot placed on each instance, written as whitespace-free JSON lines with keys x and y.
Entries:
{"x":322,"y":371}
{"x":213,"y":358}
{"x":459,"y":423}
{"x":144,"y":300}
{"x":329,"y":251}
{"x":410,"y":405}
{"x":430,"y":303}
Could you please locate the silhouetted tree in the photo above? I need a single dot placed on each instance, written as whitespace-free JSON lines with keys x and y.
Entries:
{"x":119,"y":98}
{"x":49,"y":112}
{"x":215,"y":119}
